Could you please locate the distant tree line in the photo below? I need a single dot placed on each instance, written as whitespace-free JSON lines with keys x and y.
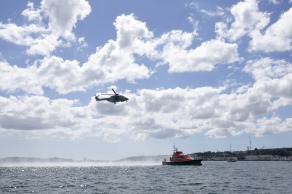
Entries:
{"x":283,"y":152}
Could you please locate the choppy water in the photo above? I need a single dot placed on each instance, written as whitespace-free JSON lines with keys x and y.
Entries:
{"x":211,"y":177}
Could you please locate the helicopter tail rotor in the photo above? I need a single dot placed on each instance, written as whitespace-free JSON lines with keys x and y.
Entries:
{"x":96,"y":98}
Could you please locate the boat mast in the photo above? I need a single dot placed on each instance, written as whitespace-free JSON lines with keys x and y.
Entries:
{"x":174,"y":148}
{"x":250,"y":143}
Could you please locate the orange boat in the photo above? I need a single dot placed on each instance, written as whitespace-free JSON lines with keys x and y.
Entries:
{"x":179,"y":158}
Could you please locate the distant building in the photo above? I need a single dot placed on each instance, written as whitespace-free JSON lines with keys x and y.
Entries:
{"x":251,"y":157}
{"x":266,"y":157}
{"x":262,"y":157}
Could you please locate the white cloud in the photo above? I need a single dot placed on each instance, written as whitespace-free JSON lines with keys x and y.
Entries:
{"x":112,"y":62}
{"x":107,"y":65}
{"x":116,"y":60}
{"x":130,"y":30}
{"x":37,"y":113}
{"x":62,"y":22}
{"x":222,"y":132}
{"x":273,"y":77}
{"x":13,"y":78}
{"x":271,"y":90}
{"x":38,"y":116}
{"x":32,"y":14}
{"x":183,"y":112}
{"x":219,"y":12}
{"x":82,"y":43}
{"x":194,"y":23}
{"x":212,"y":13}
{"x":164,"y":113}
{"x":40,"y":38}
{"x":63,"y":76}
{"x":247,"y":18}
{"x":203,"y":58}
{"x":268,"y":126}
{"x":273,"y":125}
{"x":44,"y":45}
{"x":276,"y":38}
{"x":268,"y":68}
{"x":20,"y":35}
{"x":158,"y":114}
{"x":250,"y":21}
{"x":149,"y":114}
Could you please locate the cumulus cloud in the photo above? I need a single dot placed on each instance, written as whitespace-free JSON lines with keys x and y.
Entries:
{"x":62,"y":22}
{"x":250,"y":21}
{"x":273,"y":77}
{"x":276,"y":38}
{"x":37,"y":36}
{"x":161,"y":113}
{"x":14,"y":78}
{"x":44,"y":45}
{"x":20,"y":35}
{"x":182,"y":112}
{"x":203,"y":58}
{"x":164,"y":113}
{"x":36,"y":113}
{"x":268,"y":68}
{"x":116,"y":60}
{"x":222,"y":132}
{"x":247,"y":18}
{"x":130,"y":31}
{"x":32,"y":14}
{"x":273,"y":125}
{"x":110,"y":63}
{"x":61,"y":75}
{"x":38,"y":116}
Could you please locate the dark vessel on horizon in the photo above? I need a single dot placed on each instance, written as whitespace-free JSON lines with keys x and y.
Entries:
{"x":179,"y":158}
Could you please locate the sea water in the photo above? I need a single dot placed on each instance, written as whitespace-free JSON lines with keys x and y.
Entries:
{"x":211,"y":177}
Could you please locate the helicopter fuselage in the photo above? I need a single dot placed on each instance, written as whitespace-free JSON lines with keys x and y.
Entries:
{"x":113,"y":99}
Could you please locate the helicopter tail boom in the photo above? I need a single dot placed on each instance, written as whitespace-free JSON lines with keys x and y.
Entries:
{"x":99,"y":99}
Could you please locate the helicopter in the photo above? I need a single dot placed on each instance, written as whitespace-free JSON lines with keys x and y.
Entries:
{"x":114,"y":98}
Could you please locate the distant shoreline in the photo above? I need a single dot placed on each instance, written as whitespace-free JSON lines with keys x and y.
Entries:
{"x":276,"y":154}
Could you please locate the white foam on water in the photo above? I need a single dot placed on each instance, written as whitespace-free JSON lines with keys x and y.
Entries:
{"x":80,"y":164}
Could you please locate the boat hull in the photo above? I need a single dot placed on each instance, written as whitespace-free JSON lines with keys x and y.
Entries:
{"x":190,"y":162}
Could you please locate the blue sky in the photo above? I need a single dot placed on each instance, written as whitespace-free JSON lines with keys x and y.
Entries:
{"x":201,"y":74}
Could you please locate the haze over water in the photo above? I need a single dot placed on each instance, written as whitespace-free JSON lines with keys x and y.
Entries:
{"x":211,"y":177}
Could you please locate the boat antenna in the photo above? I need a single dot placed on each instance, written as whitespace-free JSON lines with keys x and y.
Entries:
{"x":174,"y":148}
